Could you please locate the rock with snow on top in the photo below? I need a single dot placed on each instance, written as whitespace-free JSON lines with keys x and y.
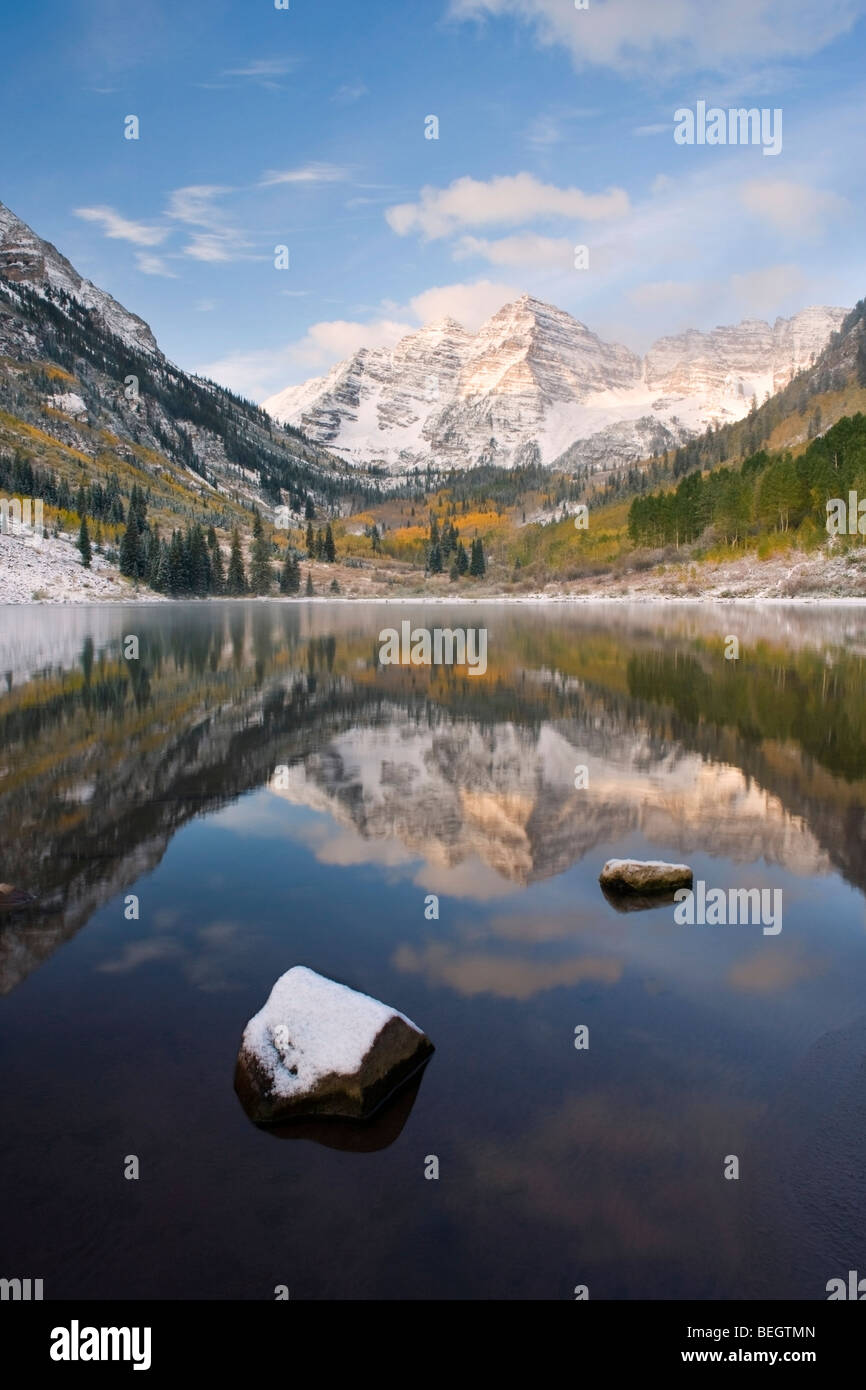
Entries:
{"x":318,"y":1048}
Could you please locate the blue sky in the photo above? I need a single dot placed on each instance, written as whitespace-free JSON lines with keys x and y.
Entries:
{"x":306,"y":128}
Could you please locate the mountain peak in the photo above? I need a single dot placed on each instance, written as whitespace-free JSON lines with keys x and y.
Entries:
{"x":534,"y":382}
{"x":26,"y":258}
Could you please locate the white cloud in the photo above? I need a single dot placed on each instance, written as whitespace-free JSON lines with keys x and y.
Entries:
{"x":260,"y":374}
{"x":215,"y":238}
{"x":349,"y":92}
{"x":263,"y":68}
{"x":149,"y":264}
{"x":660,"y":38}
{"x":794,"y":209}
{"x":655,"y":294}
{"x":256,"y":375}
{"x":221,"y":244}
{"x":121,"y":228}
{"x":767,"y":291}
{"x":309,"y":173}
{"x":526,"y":249}
{"x":470,"y":305}
{"x":658,"y":129}
{"x":512,"y":199}
{"x":195,"y":203}
{"x":331,"y":341}
{"x":543,"y":131}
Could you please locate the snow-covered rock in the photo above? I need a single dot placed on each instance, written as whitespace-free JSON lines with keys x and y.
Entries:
{"x":68,"y":401}
{"x":318,"y":1048}
{"x":536,"y":384}
{"x":644,"y":876}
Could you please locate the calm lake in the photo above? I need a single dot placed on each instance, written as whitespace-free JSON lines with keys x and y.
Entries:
{"x":274,"y":796}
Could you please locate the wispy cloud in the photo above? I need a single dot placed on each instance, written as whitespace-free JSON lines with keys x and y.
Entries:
{"x":658,"y":41}
{"x":221,"y":244}
{"x":149,"y":264}
{"x":194,"y":204}
{"x":349,"y":92}
{"x":793,"y":209}
{"x":513,"y":199}
{"x":307,"y":173}
{"x":526,"y":249}
{"x":214,"y":238}
{"x":264,"y":71}
{"x":120,"y":228}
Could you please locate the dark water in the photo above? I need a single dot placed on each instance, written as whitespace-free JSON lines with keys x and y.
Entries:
{"x":558,"y":1166}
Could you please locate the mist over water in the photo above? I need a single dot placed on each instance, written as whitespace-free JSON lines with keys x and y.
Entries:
{"x":274,"y":796}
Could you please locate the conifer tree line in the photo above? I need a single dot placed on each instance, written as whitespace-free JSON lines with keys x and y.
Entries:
{"x":190,"y":563}
{"x":768,"y":493}
{"x":100,"y":501}
{"x":321,"y":545}
{"x":444,"y":545}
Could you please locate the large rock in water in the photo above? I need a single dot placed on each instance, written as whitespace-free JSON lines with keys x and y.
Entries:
{"x":320,"y":1048}
{"x":644,"y":876}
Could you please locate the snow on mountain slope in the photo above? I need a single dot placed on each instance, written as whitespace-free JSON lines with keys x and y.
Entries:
{"x":535,"y":383}
{"x":26,"y":257}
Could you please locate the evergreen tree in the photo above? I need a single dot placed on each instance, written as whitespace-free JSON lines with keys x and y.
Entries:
{"x":310,"y":542}
{"x":477,"y":564}
{"x":462,"y":560}
{"x":290,"y":576}
{"x":329,"y":548}
{"x":309,"y":510}
{"x":177,"y":575}
{"x":217,"y":570}
{"x":319,"y":547}
{"x":163,"y":570}
{"x":130,"y":549}
{"x":334,"y":586}
{"x":236,"y":580}
{"x":309,"y":586}
{"x":154,"y":554}
{"x":198,"y":561}
{"x":261,"y":577}
{"x":435,"y":561}
{"x":84,"y":543}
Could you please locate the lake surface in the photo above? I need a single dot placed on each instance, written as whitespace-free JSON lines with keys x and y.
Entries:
{"x":275,"y":796}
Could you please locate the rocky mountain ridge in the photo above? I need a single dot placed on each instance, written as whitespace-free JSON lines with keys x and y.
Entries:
{"x":534,"y":382}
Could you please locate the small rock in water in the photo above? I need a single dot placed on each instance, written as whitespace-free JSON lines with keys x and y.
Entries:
{"x":318,"y":1048}
{"x":644,"y":876}
{"x":14,"y":899}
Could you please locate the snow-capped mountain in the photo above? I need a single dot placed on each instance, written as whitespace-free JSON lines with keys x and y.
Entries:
{"x":25,"y":257}
{"x":534,"y":382}
{"x":213,"y":444}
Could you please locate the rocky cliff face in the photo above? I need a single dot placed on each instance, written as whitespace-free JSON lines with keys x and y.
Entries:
{"x":734,"y":362}
{"x":536,"y":384}
{"x":25,"y":257}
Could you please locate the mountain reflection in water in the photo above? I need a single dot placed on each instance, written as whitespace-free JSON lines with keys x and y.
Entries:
{"x":272,"y":795}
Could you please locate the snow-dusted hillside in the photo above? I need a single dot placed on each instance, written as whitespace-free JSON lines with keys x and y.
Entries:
{"x":24,"y":256}
{"x":534,"y":382}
